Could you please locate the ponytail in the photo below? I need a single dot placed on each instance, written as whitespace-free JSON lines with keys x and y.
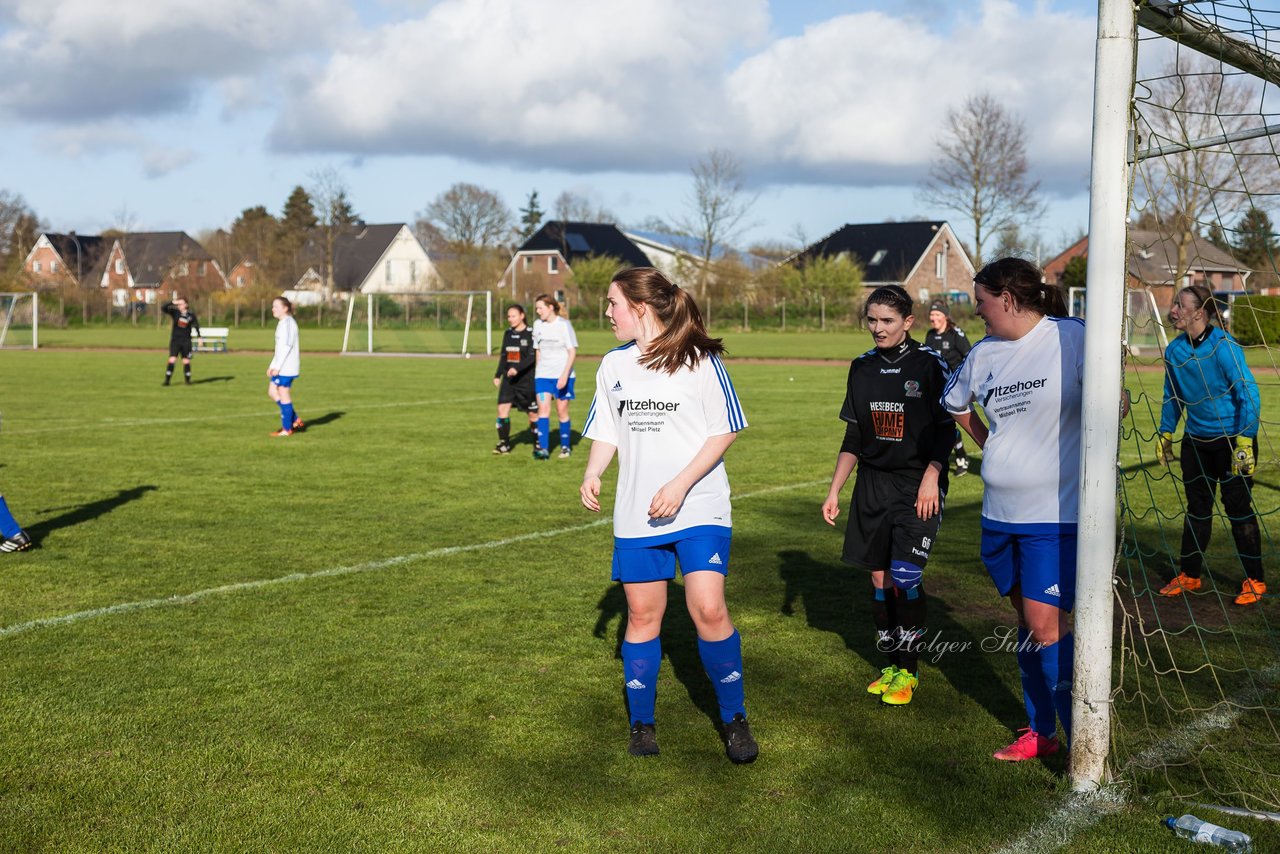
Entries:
{"x":1025,"y":283}
{"x":683,"y":341}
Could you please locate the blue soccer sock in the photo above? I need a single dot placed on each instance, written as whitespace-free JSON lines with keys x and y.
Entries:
{"x":8,"y":525}
{"x":640,"y":665}
{"x":286,"y":416}
{"x":564,"y":434}
{"x":723,"y":662}
{"x":1057,"y":661}
{"x":1035,"y":694}
{"x":544,"y":432}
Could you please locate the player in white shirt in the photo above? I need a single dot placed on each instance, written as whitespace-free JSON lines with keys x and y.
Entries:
{"x":286,"y":365}
{"x":556,"y":346}
{"x":665,"y":404}
{"x":1027,"y":376}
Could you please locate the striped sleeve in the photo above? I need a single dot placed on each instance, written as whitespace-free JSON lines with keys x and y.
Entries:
{"x":720,"y":402}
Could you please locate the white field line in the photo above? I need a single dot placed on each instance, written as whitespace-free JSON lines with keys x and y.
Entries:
{"x":310,"y":406}
{"x":370,"y":566}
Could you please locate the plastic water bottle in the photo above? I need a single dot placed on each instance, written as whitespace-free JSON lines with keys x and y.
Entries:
{"x":1190,"y":827}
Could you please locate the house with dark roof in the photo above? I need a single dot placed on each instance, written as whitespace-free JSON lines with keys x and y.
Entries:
{"x":680,"y":256}
{"x":145,"y":266}
{"x":544,"y":262}
{"x":369,"y":259}
{"x":1152,"y":261}
{"x":923,"y":257}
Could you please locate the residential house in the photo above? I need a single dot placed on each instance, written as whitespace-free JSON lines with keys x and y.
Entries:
{"x":924,"y":257}
{"x":544,"y":262}
{"x":680,"y":257}
{"x":1152,"y":262}
{"x":141,"y":267}
{"x":367,"y":259}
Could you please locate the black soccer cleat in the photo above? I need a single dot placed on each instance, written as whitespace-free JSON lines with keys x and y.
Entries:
{"x":502,"y":448}
{"x":738,"y":743}
{"x":19,"y":542}
{"x":644,"y":740}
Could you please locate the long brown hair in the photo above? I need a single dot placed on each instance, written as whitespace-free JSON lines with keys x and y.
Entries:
{"x":683,"y":341}
{"x":550,"y":301}
{"x":1025,"y":283}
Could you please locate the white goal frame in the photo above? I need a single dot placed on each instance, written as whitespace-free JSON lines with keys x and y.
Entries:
{"x":466,"y":329}
{"x":6,"y":318}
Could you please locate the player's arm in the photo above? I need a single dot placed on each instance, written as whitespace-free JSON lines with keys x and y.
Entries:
{"x":195,"y":324}
{"x":598,"y":460}
{"x":973,"y":425}
{"x":571,"y":353}
{"x":960,"y":342}
{"x":668,"y":499}
{"x":846,"y":462}
{"x":928,"y":498}
{"x":526,"y":363}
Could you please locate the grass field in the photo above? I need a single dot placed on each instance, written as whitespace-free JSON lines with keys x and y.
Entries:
{"x":377,"y":636}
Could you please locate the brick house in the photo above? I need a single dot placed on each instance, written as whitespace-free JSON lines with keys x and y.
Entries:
{"x":1152,"y":262}
{"x":544,"y":262}
{"x":143,"y":267}
{"x":924,"y":257}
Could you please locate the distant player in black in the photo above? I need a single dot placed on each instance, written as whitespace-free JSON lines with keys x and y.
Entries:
{"x":184,"y":320}
{"x":899,"y":436}
{"x":514,"y":377}
{"x":950,"y":342}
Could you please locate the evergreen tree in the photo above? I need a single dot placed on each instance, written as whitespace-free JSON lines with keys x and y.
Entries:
{"x":1256,"y":246}
{"x":343,"y":213}
{"x":530,"y":216}
{"x":1218,"y":237}
{"x":299,"y":213}
{"x":1074,"y":274}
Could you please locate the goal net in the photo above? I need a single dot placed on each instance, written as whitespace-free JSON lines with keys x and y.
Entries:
{"x":420,"y":323}
{"x":1195,"y":703}
{"x":19,"y":321}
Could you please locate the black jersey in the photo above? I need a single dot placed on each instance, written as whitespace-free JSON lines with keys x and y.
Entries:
{"x":893,"y":411}
{"x":183,"y":322}
{"x":517,"y":352}
{"x":952,"y":345}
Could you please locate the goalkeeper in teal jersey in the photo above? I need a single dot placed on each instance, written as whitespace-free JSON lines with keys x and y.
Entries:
{"x":1208,"y":382}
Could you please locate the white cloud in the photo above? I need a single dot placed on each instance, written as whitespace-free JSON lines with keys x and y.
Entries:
{"x":583,"y":85}
{"x":73,"y":60}
{"x":158,"y":162}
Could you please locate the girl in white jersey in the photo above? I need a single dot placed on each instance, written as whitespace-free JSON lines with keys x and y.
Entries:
{"x":286,"y":364}
{"x":556,"y":347}
{"x":1027,"y":376}
{"x":665,"y":404}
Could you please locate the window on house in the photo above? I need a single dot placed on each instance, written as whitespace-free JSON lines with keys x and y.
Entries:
{"x":940,"y":265}
{"x":553,"y":264}
{"x":239,"y":281}
{"x":388,"y":273}
{"x":413,"y":272}
{"x":878,"y":257}
{"x":119,"y":266}
{"x":53,"y":266}
{"x":35,"y":266}
{"x":528,"y":264}
{"x":202,"y":269}
{"x":183,"y":268}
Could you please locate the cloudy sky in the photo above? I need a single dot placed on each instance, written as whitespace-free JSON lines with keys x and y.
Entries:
{"x":184,"y":112}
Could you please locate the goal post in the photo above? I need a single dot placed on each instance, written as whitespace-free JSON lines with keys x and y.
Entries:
{"x":20,"y":320}
{"x":418,"y":323}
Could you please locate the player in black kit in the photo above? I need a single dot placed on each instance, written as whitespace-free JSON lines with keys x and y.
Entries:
{"x":184,"y":320}
{"x":898,"y":436}
{"x":514,"y":377}
{"x":950,"y":342}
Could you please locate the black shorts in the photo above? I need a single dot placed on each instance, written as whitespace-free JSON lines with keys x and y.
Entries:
{"x":181,"y":348}
{"x":883,"y":526}
{"x":520,"y":395}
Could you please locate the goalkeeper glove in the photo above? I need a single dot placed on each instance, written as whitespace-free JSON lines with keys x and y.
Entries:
{"x":1164,"y":453}
{"x":1243,"y":462}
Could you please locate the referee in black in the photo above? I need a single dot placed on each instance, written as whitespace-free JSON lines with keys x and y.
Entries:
{"x":950,"y":342}
{"x":184,"y":320}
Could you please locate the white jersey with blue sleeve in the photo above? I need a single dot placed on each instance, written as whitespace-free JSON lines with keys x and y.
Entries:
{"x":659,"y":422}
{"x":1030,"y":390}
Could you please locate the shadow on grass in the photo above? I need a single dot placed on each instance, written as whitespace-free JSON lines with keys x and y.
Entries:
{"x":327,"y":418}
{"x":204,"y":380}
{"x":88,"y":512}
{"x":679,"y":645}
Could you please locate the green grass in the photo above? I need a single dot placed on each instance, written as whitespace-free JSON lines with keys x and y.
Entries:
{"x":468,"y":700}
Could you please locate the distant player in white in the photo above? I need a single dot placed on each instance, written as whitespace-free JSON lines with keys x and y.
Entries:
{"x":557,"y":347}
{"x":286,"y":365}
{"x":1027,"y":377}
{"x":665,"y":404}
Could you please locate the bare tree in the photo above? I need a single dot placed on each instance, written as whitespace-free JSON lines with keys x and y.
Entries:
{"x":717,"y":207}
{"x":19,"y":230}
{"x":1192,"y":100}
{"x":980,"y":171}
{"x":571,"y":206}
{"x":469,"y":217}
{"x":333,"y":210}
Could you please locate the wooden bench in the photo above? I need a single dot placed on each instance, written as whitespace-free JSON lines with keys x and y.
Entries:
{"x":212,"y":339}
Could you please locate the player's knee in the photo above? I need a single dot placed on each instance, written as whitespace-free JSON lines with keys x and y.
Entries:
{"x":906,"y":577}
{"x":709,"y":614}
{"x":643,"y":621}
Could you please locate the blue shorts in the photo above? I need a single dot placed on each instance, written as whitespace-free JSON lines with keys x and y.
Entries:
{"x":1044,"y":565}
{"x":547,"y":385}
{"x":658,"y":563}
{"x":283,"y":382}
